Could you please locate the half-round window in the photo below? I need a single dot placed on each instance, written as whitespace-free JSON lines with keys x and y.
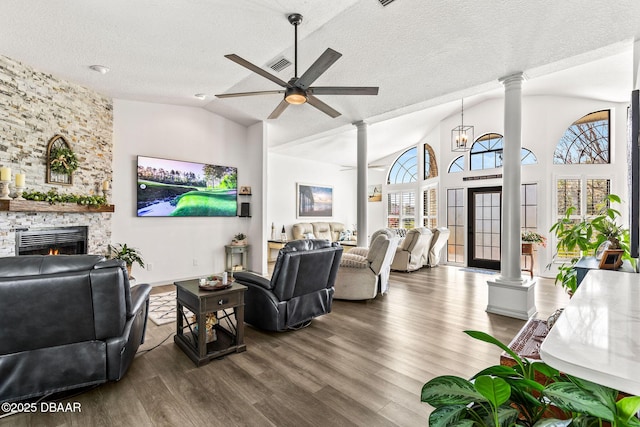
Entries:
{"x":486,"y":153}
{"x":457,"y":165}
{"x":586,"y":141}
{"x":405,"y":169}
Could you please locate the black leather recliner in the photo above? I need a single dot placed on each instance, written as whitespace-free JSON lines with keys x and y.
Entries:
{"x":66,"y":321}
{"x":300,"y":288}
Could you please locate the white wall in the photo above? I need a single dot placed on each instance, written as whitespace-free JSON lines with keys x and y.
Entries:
{"x":173,"y":245}
{"x":284,"y":172}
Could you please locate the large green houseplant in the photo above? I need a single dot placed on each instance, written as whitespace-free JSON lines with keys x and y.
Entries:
{"x":527,"y":394}
{"x":585,"y":236}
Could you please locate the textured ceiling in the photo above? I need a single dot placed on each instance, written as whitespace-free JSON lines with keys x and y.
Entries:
{"x":424,"y":56}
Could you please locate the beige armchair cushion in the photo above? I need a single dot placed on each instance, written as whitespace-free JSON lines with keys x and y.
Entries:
{"x":322,"y":230}
{"x":299,"y":230}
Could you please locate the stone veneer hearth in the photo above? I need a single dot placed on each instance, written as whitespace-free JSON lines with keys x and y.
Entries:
{"x":35,"y":106}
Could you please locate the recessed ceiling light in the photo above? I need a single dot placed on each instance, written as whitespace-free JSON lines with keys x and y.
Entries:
{"x":200,"y":95}
{"x":100,"y":68}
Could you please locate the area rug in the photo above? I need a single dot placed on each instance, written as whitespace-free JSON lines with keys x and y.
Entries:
{"x":162,"y":308}
{"x":478,"y":270}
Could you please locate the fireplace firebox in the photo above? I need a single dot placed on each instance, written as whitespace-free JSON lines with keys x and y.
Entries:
{"x":52,"y":241}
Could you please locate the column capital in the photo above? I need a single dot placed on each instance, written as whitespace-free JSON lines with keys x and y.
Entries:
{"x":360,"y":124}
{"x":513,"y":78}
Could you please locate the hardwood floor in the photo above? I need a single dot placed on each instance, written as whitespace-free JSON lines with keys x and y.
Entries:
{"x":363,"y":364}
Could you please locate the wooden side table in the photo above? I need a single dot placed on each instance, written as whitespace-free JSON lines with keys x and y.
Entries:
{"x":527,"y":252}
{"x":274,"y":245}
{"x":228,"y":308}
{"x":233,"y":250}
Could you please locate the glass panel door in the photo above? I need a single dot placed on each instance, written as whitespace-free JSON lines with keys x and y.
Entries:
{"x":484,"y":231}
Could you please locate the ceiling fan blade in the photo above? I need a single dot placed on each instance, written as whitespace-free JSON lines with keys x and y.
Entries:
{"x":343,"y":90}
{"x":235,"y":58}
{"x":312,"y":100}
{"x":262,"y":92}
{"x":321,"y":65}
{"x":279,"y":109}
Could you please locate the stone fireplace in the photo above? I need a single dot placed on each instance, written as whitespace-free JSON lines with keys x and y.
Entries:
{"x":52,"y":241}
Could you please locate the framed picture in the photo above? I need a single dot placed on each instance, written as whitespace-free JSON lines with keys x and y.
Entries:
{"x":611,"y":259}
{"x":245,"y":190}
{"x":375,"y":193}
{"x":314,"y":201}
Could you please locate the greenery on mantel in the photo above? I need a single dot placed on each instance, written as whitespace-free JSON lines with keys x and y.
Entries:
{"x":53,"y":197}
{"x":63,"y":161}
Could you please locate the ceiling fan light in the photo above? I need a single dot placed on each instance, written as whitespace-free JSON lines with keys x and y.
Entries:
{"x":295,"y":95}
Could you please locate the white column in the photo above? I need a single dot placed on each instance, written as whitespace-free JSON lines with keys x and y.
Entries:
{"x":361,"y":215}
{"x":636,"y":64}
{"x":510,"y":294}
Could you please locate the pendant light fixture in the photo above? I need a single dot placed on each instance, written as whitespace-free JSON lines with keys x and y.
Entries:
{"x":461,"y":136}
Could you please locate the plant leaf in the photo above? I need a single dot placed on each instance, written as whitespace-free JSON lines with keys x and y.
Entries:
{"x":545,"y":369}
{"x":627,"y":407}
{"x":552,"y":422}
{"x":495,"y":389}
{"x":498,"y":371}
{"x":483,"y":336}
{"x":570,"y":397}
{"x":605,"y":395}
{"x":449,"y":390}
{"x":447,"y":415}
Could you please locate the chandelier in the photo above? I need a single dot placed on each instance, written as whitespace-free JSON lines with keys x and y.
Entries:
{"x":461,"y":136}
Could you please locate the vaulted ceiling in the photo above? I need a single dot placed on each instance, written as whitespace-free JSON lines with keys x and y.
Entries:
{"x":424,"y":56}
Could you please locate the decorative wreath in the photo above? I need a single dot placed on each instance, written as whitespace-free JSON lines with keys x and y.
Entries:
{"x":63,"y":161}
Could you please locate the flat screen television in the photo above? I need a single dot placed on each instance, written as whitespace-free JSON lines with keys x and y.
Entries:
{"x":177,"y":188}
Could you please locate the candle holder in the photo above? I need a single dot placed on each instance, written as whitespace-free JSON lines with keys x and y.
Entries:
{"x":105,"y":194}
{"x":19,"y":193}
{"x":4,"y":190}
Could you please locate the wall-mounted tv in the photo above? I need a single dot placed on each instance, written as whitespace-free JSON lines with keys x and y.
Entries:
{"x":177,"y":188}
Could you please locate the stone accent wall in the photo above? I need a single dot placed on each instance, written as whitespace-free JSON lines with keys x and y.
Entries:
{"x":35,"y":106}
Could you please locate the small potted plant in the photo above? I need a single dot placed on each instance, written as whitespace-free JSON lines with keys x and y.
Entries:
{"x":127,"y":254}
{"x":239,"y":239}
{"x":533,"y":238}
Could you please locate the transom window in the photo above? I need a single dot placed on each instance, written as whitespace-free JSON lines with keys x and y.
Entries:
{"x":586,"y":141}
{"x":405,"y":169}
{"x":486,"y":153}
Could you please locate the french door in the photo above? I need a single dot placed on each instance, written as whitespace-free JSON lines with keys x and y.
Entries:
{"x":484,"y":227}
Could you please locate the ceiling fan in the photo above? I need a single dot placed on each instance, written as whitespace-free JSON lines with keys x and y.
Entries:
{"x":298,"y":90}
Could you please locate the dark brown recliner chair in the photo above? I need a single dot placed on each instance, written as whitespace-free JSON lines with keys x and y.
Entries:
{"x":66,"y":321}
{"x":300,"y":288}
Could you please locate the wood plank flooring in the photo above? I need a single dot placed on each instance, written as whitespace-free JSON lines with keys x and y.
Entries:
{"x":363,"y":365}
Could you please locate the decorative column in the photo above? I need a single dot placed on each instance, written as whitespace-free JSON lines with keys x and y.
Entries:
{"x":511,"y":294}
{"x":361,"y":214}
{"x":636,"y":64}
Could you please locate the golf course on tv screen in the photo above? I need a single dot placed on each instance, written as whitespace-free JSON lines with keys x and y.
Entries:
{"x":176,"y":188}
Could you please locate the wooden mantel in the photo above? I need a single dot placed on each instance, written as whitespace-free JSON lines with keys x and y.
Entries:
{"x":33,"y":206}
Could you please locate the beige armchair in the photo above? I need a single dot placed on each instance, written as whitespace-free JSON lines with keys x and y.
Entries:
{"x":413,"y":252}
{"x":363,"y":277}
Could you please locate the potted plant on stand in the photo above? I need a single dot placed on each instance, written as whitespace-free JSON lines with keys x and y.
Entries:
{"x":239,"y":239}
{"x":127,"y":254}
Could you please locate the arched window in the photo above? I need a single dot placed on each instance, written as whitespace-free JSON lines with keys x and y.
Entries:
{"x":405,"y":169}
{"x":457,"y":165}
{"x":430,"y":164}
{"x":586,"y":141}
{"x":486,"y":153}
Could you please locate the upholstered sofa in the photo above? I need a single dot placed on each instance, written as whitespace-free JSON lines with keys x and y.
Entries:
{"x":66,"y":321}
{"x":365,"y":276}
{"x":300,"y":289}
{"x":330,"y":231}
{"x":410,"y":254}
